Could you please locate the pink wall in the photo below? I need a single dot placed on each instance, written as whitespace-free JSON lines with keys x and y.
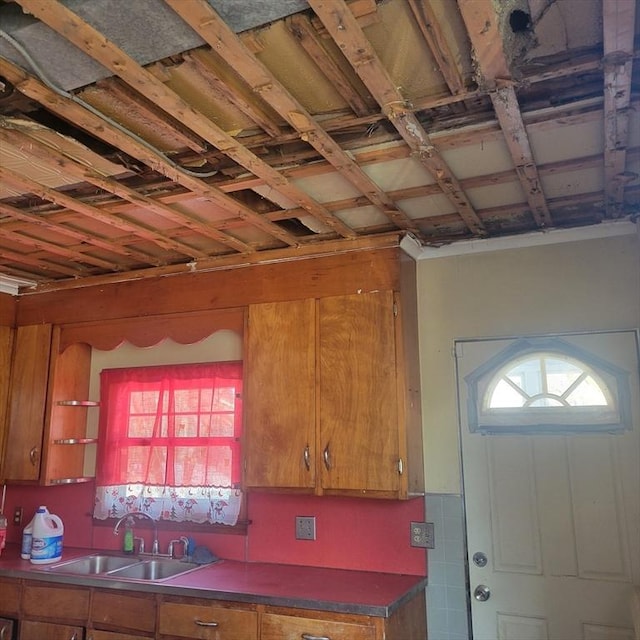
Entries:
{"x":352,"y":533}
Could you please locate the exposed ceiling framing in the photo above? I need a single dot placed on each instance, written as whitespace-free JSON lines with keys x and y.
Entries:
{"x":334,"y":125}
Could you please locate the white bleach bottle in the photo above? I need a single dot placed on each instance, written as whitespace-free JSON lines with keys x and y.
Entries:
{"x":46,"y":543}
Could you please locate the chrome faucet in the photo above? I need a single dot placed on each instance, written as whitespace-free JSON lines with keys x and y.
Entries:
{"x":155,"y":546}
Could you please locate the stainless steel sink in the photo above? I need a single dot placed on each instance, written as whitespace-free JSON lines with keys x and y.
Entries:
{"x":93,"y":564}
{"x":123,"y":567}
{"x":154,"y":570}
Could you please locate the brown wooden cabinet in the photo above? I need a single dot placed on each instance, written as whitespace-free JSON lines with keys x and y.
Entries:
{"x":35,"y":630}
{"x":27,"y":398}
{"x":206,"y":620}
{"x":47,"y":418}
{"x":55,"y":611}
{"x":9,"y":597}
{"x":332,"y":397}
{"x":290,"y":627}
{"x":122,"y":612}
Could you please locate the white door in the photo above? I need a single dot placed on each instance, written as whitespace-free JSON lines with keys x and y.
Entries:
{"x":556,"y":517}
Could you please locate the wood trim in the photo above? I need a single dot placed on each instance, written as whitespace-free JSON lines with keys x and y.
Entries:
{"x":337,"y":274}
{"x":147,"y":331}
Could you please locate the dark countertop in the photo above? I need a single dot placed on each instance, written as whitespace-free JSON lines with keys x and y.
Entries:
{"x":336,"y":590}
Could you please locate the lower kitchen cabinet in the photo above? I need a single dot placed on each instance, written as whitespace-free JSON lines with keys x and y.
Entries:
{"x":289,"y":627}
{"x":61,"y":612}
{"x":35,"y":630}
{"x":205,"y":620}
{"x":122,"y":612}
{"x":67,"y":605}
{"x":9,"y":598}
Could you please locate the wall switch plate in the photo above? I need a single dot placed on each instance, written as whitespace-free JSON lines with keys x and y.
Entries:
{"x":305,"y":527}
{"x":422,"y":535}
{"x":17,"y":516}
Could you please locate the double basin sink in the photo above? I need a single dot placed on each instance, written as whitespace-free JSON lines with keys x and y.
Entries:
{"x":149,"y":569}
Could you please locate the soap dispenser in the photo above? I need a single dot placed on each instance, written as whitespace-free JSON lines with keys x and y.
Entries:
{"x":128,"y":543}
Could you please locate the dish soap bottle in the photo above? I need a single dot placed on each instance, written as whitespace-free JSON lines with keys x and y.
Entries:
{"x":128,"y":542}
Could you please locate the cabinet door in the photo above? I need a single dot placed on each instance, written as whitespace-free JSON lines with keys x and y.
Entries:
{"x":206,"y":622}
{"x":29,"y":376}
{"x":65,"y":604}
{"x":123,"y":612}
{"x":359,"y":431}
{"x":280,"y":395}
{"x":31,"y":630}
{"x":279,"y":627}
{"x":6,"y":349}
{"x":9,"y":598}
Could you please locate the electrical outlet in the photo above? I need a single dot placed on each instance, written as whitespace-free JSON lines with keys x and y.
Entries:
{"x":17,"y":516}
{"x":422,"y":535}
{"x":305,"y":527}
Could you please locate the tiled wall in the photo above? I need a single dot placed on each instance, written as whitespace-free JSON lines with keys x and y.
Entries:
{"x":447,"y":615}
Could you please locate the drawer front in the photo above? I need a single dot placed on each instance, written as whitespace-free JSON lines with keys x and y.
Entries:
{"x":126,"y":612}
{"x":112,"y":635}
{"x":278,"y":627}
{"x":9,"y":597}
{"x":206,"y":622}
{"x":56,"y":602}
{"x":30,"y":630}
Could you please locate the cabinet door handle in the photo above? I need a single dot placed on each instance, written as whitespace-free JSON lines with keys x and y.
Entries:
{"x":327,"y":458}
{"x":309,"y":636}
{"x":306,"y":456}
{"x":202,"y":623}
{"x":33,"y":457}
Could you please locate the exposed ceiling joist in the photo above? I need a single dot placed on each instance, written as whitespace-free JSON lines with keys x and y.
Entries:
{"x":347,"y":33}
{"x":203,"y":19}
{"x":87,"y":39}
{"x":482,"y":24}
{"x":618,"y":23}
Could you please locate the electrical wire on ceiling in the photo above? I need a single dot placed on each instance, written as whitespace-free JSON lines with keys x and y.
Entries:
{"x":65,"y":94}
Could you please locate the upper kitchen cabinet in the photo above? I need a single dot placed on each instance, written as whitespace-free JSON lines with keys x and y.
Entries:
{"x":333,"y":396}
{"x":280,"y":381}
{"x":47,"y":408}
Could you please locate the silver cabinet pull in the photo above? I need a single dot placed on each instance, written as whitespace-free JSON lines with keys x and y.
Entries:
{"x":327,"y":458}
{"x":307,"y":460}
{"x":33,"y":457}
{"x":309,"y":636}
{"x":202,"y":623}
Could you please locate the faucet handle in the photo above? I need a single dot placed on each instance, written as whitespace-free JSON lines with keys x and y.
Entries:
{"x":140,"y":544}
{"x":172,"y":544}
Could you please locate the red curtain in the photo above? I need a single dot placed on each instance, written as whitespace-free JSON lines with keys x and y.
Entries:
{"x":171,"y":425}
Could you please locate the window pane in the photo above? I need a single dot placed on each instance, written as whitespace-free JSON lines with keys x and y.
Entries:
{"x":504,"y":395}
{"x":560,"y":375}
{"x":587,"y":394}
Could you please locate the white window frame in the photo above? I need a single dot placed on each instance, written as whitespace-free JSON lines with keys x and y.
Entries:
{"x":613,"y":418}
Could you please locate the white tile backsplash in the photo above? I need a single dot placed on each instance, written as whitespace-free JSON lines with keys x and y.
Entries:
{"x":447,"y":607}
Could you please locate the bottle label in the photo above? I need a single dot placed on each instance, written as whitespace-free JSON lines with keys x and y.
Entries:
{"x":25,"y":551}
{"x":46,"y":548}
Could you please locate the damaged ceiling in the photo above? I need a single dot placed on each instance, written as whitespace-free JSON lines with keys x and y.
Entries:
{"x":158,"y":136}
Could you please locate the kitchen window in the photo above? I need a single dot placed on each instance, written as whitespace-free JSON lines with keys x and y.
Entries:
{"x":169,"y":442}
{"x":547,"y":385}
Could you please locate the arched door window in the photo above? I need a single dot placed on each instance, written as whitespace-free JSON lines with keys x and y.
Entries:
{"x":547,"y":385}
